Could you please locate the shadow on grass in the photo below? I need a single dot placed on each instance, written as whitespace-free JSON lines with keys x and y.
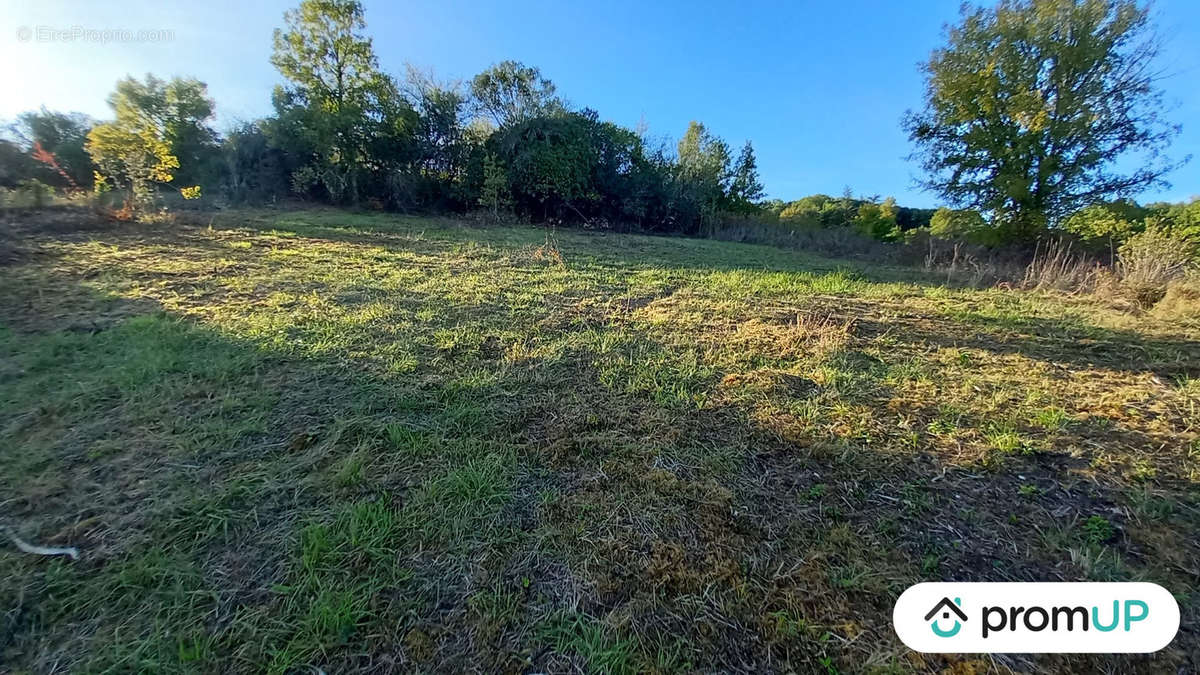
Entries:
{"x":237,"y":508}
{"x":242,"y":507}
{"x":1061,"y":342}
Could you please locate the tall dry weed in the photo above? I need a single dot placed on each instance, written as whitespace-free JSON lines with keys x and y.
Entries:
{"x":1055,"y":266}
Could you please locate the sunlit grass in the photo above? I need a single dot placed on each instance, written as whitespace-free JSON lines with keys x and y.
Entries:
{"x":321,"y":439}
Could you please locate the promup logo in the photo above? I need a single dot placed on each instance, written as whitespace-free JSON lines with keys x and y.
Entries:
{"x":946,"y":607}
{"x":1036,"y":617}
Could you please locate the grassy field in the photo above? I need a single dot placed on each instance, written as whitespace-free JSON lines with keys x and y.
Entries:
{"x":289,"y":440}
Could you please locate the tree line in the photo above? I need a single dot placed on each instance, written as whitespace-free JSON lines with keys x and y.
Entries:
{"x":1027,"y":107}
{"x":345,"y":132}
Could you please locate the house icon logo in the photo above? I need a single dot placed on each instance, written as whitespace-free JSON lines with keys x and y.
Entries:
{"x":945,"y":607}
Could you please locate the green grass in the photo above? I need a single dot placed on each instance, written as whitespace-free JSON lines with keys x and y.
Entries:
{"x":317,"y":439}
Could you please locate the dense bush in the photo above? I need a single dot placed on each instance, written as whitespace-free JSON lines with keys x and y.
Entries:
{"x":28,"y":193}
{"x":956,"y":224}
{"x":1148,"y":261}
{"x":1181,"y":299}
{"x":840,"y":242}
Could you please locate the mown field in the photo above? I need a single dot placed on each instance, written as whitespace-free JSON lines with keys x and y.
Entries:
{"x":290,"y":441}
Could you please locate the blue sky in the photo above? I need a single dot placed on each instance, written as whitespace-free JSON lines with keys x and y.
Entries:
{"x":819,"y":87}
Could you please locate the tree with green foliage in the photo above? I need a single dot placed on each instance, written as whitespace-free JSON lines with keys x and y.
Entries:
{"x":131,"y":155}
{"x":745,"y":190}
{"x":511,"y":92}
{"x":1103,"y":225}
{"x":570,"y":165}
{"x":619,"y":167}
{"x":702,"y":176}
{"x":1031,"y":101}
{"x":910,"y":218}
{"x":822,"y":211}
{"x":442,"y":144}
{"x":495,"y":194}
{"x":1182,"y":220}
{"x":878,"y":219}
{"x":253,"y":169}
{"x":804,"y":212}
{"x":549,"y":162}
{"x":948,"y":223}
{"x":181,"y":111}
{"x":648,"y":184}
{"x":61,"y":136}
{"x":1107,"y":225}
{"x":136,"y":150}
{"x":339,"y":112}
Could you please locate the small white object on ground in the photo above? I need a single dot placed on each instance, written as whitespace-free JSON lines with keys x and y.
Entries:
{"x":40,"y":550}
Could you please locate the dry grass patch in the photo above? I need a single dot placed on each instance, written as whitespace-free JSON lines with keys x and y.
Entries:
{"x":321,"y":440}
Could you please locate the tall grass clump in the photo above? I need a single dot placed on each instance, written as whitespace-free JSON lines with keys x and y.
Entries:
{"x":1149,"y":261}
{"x":961,"y":261}
{"x":1055,"y":266}
{"x":1182,"y":298}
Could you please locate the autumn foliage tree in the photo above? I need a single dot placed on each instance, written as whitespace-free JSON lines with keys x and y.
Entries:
{"x":131,"y":158}
{"x":179,"y":111}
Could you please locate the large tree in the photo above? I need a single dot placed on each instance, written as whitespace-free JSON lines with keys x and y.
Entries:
{"x":442,"y":109}
{"x":702,"y":177}
{"x":442,"y":147}
{"x":339,"y":111}
{"x":511,"y":92}
{"x":180,"y":111}
{"x":745,"y":190}
{"x":572,"y":166}
{"x":1030,"y":103}
{"x":160,"y":134}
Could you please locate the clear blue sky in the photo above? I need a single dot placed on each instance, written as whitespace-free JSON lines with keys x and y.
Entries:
{"x":819,"y":87}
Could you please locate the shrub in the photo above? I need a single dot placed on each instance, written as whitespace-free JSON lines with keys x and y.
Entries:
{"x":830,"y":241}
{"x":952,"y":224}
{"x":1182,"y":298}
{"x":1182,"y":219}
{"x":1103,"y":224}
{"x":878,"y":221}
{"x":1055,"y":266}
{"x":132,"y":156}
{"x":31,"y":193}
{"x":1148,"y":261}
